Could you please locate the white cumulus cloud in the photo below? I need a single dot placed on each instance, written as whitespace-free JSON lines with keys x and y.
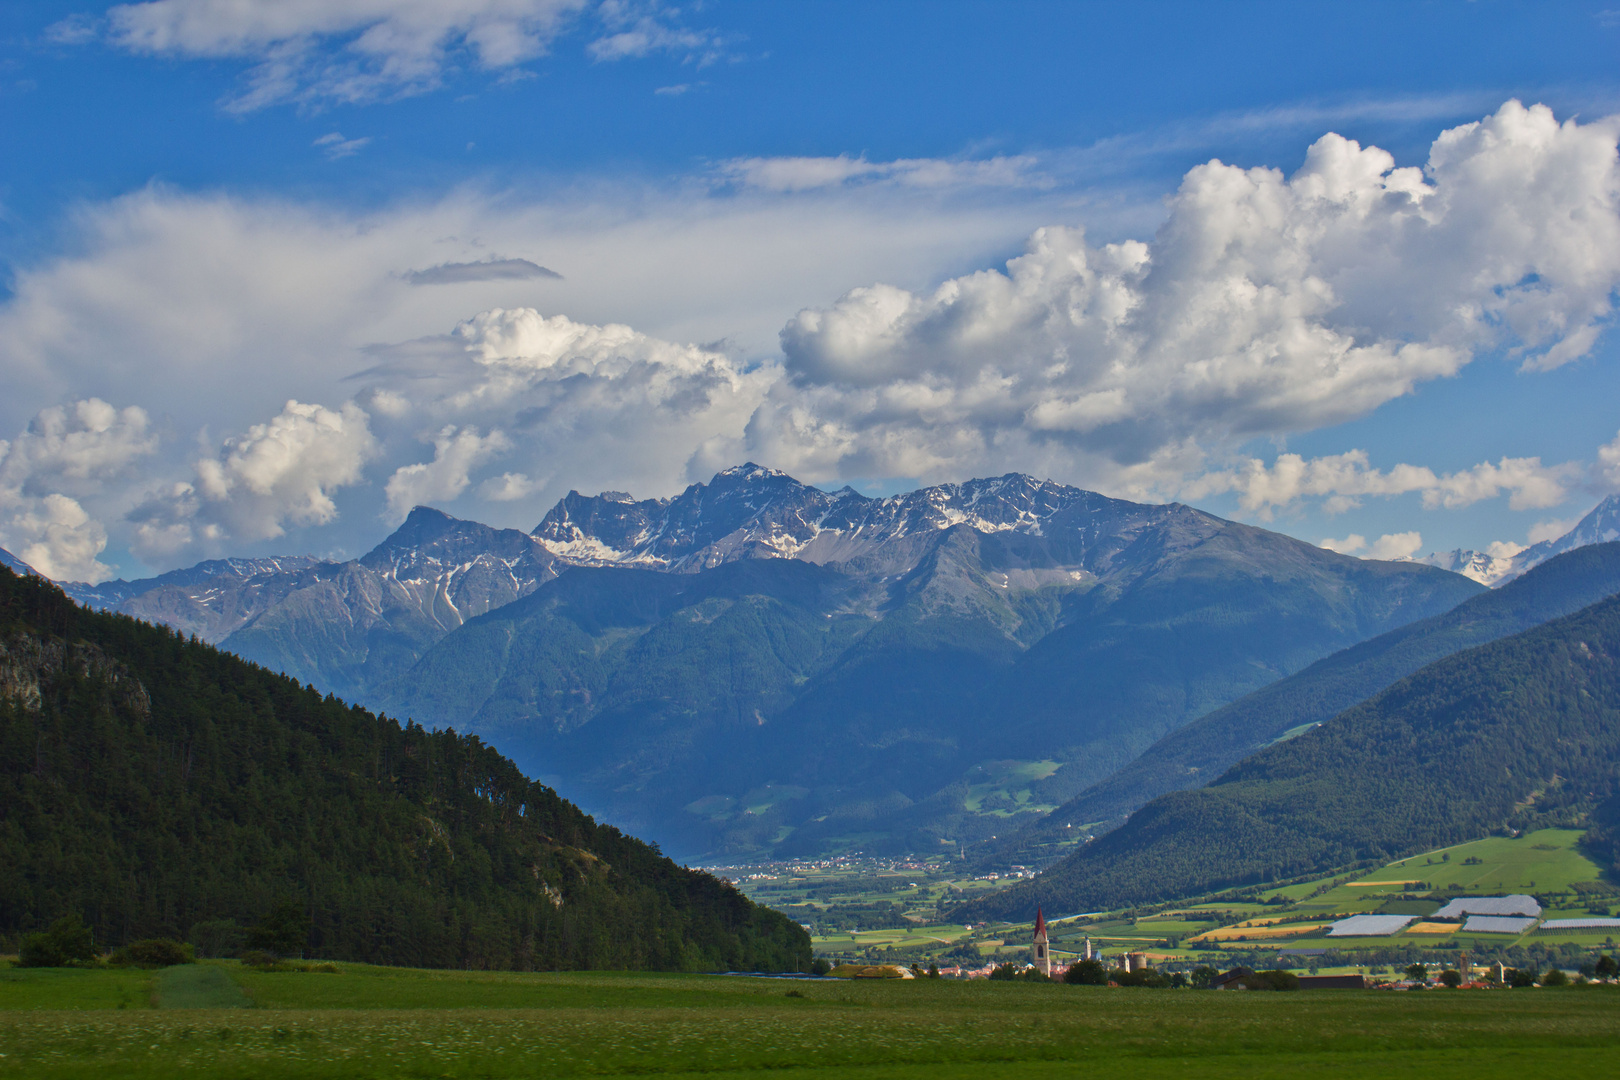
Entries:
{"x":67,"y":453}
{"x":76,"y":448}
{"x":1606,"y":469}
{"x":277,"y":473}
{"x":57,"y":537}
{"x":591,"y":403}
{"x":1265,"y":304}
{"x":455,"y":453}
{"x":1343,"y":479}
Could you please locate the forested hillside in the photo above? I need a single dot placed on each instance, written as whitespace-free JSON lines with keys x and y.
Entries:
{"x":1201,"y":751}
{"x":151,"y":783}
{"x":1523,"y":728}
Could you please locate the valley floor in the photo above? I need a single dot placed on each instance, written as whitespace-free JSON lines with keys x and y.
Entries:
{"x":377,"y":1022}
{"x":897,"y":911}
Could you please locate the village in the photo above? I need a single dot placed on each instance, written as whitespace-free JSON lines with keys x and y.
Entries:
{"x":1489,"y":913}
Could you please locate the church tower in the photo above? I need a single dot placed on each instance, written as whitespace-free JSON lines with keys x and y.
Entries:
{"x":1043,"y":954}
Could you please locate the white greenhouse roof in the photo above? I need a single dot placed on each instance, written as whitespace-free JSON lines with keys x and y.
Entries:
{"x":1581,"y":924}
{"x":1497,"y":924}
{"x":1517,"y":904}
{"x":1370,"y":925}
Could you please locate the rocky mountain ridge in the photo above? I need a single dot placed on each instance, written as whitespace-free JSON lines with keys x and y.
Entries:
{"x":755,"y":663}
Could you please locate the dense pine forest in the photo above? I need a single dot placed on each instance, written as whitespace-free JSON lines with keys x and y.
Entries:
{"x":153,"y":785}
{"x":1520,"y":732}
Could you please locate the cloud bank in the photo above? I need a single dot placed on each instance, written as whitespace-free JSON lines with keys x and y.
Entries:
{"x":1264,"y":305}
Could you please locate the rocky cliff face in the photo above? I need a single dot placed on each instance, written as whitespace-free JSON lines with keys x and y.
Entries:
{"x":28,"y":662}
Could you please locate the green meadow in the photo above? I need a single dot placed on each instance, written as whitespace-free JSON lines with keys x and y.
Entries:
{"x":378,"y":1022}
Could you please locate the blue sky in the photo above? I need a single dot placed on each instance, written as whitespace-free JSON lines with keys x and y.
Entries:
{"x":782,"y":233}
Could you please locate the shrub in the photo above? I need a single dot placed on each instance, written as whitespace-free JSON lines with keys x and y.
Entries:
{"x":1005,"y":972}
{"x":1520,"y":979}
{"x":1086,"y":973}
{"x":1271,"y":980}
{"x":153,"y":953}
{"x":258,"y":958}
{"x":820,"y":966}
{"x":38,"y":950}
{"x":1606,"y":967}
{"x":1554,"y":977}
{"x":68,"y":941}
{"x":1146,"y":977}
{"x":1453,"y":979}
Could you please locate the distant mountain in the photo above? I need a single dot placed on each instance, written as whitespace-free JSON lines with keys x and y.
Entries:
{"x":345,"y":627}
{"x":351,"y":627}
{"x":1599,"y":526}
{"x":1522,"y":730}
{"x":756,"y":665}
{"x":153,"y":783}
{"x":1489,"y":570}
{"x":981,"y":652}
{"x":1204,"y":749}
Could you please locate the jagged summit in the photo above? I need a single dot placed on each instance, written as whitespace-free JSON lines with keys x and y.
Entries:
{"x":430,"y":542}
{"x":749,"y":511}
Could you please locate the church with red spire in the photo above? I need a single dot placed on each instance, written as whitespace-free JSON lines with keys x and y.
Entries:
{"x":1043,"y":952}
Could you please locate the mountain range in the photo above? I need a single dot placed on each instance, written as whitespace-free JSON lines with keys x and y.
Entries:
{"x":756,"y":665}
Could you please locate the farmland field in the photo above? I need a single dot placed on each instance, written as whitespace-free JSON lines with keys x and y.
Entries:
{"x":377,"y":1022}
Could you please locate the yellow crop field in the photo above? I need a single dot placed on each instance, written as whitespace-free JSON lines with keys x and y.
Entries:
{"x":1433,"y":928}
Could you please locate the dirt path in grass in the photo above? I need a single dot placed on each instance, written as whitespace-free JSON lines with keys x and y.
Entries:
{"x":198,"y":986}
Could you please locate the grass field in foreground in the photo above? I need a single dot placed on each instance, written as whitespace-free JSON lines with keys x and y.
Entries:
{"x":671,"y":1025}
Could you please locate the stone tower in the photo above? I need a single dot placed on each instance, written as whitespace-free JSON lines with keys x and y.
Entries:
{"x":1043,"y":953}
